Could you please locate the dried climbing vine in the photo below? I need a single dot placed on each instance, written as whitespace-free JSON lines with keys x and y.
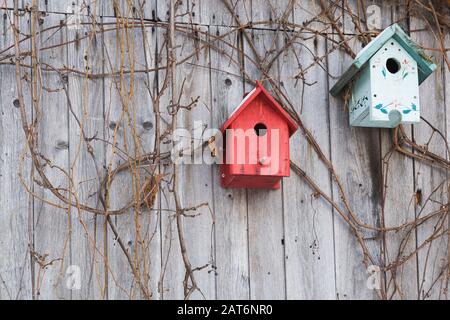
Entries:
{"x":151,"y":172}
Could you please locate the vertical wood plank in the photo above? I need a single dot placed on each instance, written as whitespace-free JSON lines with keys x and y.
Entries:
{"x":56,"y":6}
{"x":9,"y":4}
{"x":148,"y":47}
{"x":74,"y":9}
{"x":216,"y":13}
{"x":253,"y":244}
{"x":196,"y":182}
{"x":187,"y":11}
{"x":120,"y":149}
{"x":308,"y":219}
{"x":268,"y":14}
{"x":87,"y":158}
{"x":398,"y":198}
{"x":15,"y":203}
{"x":447,"y":118}
{"x":129,"y":8}
{"x":428,"y":180}
{"x":172,"y":272}
{"x":230,"y":206}
{"x":195,"y":189}
{"x":265,"y":208}
{"x":355,"y":153}
{"x":129,"y":117}
{"x":52,"y":225}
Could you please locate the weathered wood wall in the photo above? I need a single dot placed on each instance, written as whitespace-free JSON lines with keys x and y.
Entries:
{"x":284,"y":244}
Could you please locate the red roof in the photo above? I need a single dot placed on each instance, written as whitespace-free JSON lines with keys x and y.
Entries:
{"x":292,"y":125}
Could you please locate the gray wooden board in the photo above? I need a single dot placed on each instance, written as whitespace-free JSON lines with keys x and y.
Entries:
{"x":264,"y":12}
{"x":399,"y":203}
{"x":230,"y":206}
{"x":447,"y":110}
{"x":172,"y":276}
{"x":195,"y":180}
{"x":427,"y":179}
{"x":56,"y":6}
{"x":129,"y":121}
{"x":308,"y":219}
{"x":254,"y":244}
{"x":15,"y":205}
{"x":356,"y":158}
{"x":187,"y":11}
{"x":215,"y":12}
{"x":9,"y":4}
{"x":129,"y":8}
{"x":207,"y":12}
{"x":52,"y":226}
{"x":265,"y":208}
{"x":87,"y":169}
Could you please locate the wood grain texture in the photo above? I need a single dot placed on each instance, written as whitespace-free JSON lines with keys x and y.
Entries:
{"x":230,"y":206}
{"x":87,"y":160}
{"x":172,"y":274}
{"x":71,"y":9}
{"x":399,"y":203}
{"x":21,"y":4}
{"x":196,"y":182}
{"x":271,"y":11}
{"x":117,"y":113}
{"x":52,"y":226}
{"x":138,"y":9}
{"x":216,"y":12}
{"x":429,"y":181}
{"x":355,"y":153}
{"x":247,"y":244}
{"x":129,"y":117}
{"x":55,"y":6}
{"x":265,"y":207}
{"x":195,"y":190}
{"x":308,"y":220}
{"x":447,"y":110}
{"x":15,"y":205}
{"x":187,"y":11}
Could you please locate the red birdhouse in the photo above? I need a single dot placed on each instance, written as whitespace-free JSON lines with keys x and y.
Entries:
{"x":256,"y":143}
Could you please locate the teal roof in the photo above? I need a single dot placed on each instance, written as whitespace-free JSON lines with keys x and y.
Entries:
{"x":425,"y":65}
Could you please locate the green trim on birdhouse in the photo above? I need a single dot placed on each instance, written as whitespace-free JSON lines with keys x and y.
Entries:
{"x":425,"y":65}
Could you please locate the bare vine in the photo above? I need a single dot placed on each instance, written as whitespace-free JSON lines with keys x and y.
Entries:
{"x":154,"y":179}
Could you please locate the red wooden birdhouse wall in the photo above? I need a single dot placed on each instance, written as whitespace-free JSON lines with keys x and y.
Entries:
{"x":256,"y":143}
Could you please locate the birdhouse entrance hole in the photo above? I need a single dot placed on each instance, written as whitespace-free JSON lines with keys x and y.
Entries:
{"x":392,"y":65}
{"x":260,"y":129}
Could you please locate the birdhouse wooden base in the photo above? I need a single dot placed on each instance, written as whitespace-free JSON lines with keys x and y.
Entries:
{"x":248,"y":182}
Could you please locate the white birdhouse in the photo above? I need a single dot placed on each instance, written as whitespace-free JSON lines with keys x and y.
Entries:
{"x":385,"y":78}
